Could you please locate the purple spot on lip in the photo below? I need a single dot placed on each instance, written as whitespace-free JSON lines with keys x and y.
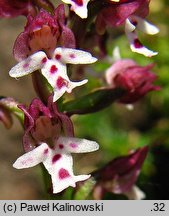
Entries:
{"x":26,"y":65}
{"x":58,"y":56}
{"x":53,"y":69}
{"x":60,"y":82}
{"x":72,"y":56}
{"x":44,"y":60}
{"x":78,"y":2}
{"x":138,"y":44}
{"x":73,"y":145}
{"x":63,"y":173}
{"x":46,"y":151}
{"x":55,"y":158}
{"x":61,"y":146}
{"x":27,"y":161}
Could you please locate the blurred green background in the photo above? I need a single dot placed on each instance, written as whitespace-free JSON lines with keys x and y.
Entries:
{"x":117,"y":129}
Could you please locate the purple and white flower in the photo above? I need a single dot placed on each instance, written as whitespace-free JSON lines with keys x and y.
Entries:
{"x":120,"y":175}
{"x":58,"y":160}
{"x":136,"y":80}
{"x":134,"y":23}
{"x":48,"y":139}
{"x":54,"y":69}
{"x":131,"y":14}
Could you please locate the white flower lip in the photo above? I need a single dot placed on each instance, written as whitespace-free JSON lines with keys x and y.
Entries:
{"x":54,"y":70}
{"x":58,"y":161}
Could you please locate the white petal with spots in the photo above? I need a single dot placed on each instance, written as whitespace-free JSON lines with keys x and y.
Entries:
{"x":79,"y":7}
{"x":60,"y":167}
{"x":31,"y":158}
{"x":29,"y":65}
{"x":73,"y":56}
{"x":58,"y":161}
{"x":76,"y":145}
{"x":135,"y":44}
{"x":144,"y":26}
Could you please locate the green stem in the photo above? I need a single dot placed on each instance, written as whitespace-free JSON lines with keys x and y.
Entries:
{"x":41,"y":86}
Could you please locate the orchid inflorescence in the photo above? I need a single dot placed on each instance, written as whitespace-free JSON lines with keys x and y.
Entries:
{"x":50,"y":45}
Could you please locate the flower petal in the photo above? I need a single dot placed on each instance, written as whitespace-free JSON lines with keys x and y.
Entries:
{"x":56,"y":74}
{"x":73,"y":56}
{"x":79,"y":7}
{"x":32,"y":158}
{"x":76,"y":145}
{"x":29,"y":65}
{"x":73,"y":85}
{"x":58,"y":93}
{"x":60,"y":167}
{"x":68,"y":87}
{"x":52,"y":70}
{"x":135,"y":44}
{"x":135,"y":193}
{"x":118,"y":67}
{"x":144,"y":26}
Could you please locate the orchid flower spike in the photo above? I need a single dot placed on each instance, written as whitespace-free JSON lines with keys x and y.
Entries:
{"x":54,"y":69}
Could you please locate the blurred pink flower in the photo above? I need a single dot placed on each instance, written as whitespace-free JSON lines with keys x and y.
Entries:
{"x":5,"y":117}
{"x":136,"y":80}
{"x":13,"y":8}
{"x":119,"y":175}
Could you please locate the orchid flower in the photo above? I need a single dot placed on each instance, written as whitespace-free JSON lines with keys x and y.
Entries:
{"x":133,"y":24}
{"x":120,"y":174}
{"x":48,"y":139}
{"x":44,"y":32}
{"x":54,"y":69}
{"x":136,"y":80}
{"x":58,"y":161}
{"x":132,"y":14}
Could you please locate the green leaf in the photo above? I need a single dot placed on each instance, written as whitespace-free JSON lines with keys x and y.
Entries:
{"x":93,"y":102}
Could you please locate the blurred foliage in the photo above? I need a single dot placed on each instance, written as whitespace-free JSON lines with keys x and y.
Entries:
{"x":119,"y":130}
